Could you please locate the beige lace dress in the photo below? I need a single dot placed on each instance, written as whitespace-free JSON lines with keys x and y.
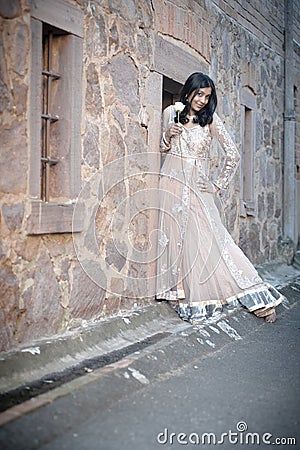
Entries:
{"x":200,"y":269}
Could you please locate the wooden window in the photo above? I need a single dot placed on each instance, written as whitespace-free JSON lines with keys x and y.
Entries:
{"x":55,"y":116}
{"x":50,"y":80}
{"x":247,"y":153}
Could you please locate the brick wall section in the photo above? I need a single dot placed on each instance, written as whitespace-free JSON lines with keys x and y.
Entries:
{"x":185,"y":21}
{"x":263,"y":19}
{"x":297,"y":21}
{"x":297,"y":90}
{"x":297,"y":104}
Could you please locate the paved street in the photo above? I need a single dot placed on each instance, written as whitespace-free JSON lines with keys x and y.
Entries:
{"x":246,"y":384}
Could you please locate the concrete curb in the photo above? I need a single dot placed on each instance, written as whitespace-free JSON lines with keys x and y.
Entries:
{"x":55,"y":355}
{"x":26,"y":365}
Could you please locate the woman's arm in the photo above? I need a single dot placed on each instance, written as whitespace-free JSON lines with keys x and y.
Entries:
{"x":219,"y":132}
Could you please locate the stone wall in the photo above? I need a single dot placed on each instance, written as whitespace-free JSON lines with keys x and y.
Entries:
{"x":245,"y":56}
{"x":128,"y":46}
{"x":297,"y":105}
{"x":46,"y":288}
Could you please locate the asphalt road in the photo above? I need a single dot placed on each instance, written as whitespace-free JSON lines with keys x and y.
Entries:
{"x":244,"y":393}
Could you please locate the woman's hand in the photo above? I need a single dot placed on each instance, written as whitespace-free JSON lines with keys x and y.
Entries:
{"x":206,"y":185}
{"x":175,"y":129}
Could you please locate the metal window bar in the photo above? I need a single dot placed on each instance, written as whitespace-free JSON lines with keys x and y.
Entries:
{"x":47,"y":118}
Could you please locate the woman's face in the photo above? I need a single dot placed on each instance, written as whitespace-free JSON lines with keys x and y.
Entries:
{"x":200,"y":99}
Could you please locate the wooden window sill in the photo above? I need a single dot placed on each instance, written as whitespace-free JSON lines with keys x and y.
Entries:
{"x":48,"y":218}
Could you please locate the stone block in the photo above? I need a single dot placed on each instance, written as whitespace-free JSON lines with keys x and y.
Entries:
{"x":116,"y":147}
{"x":116,"y":285}
{"x":254,"y":243}
{"x":249,"y":241}
{"x":14,"y":155}
{"x":5,"y":93}
{"x":88,"y":290}
{"x":91,"y":145}
{"x":226,"y":106}
{"x":278,"y":212}
{"x":113,"y":38}
{"x":154,"y":132}
{"x":125,"y":81}
{"x":273,"y":253}
{"x":127,"y":10}
{"x":127,"y":42}
{"x":13,"y":215}
{"x":261,"y":206}
{"x":259,"y":131}
{"x":9,"y":288}
{"x":226,"y":50}
{"x":17,"y":46}
{"x":112,"y":304}
{"x":116,"y":254}
{"x":145,"y":14}
{"x":28,"y":248}
{"x":231,"y":216}
{"x":264,"y":235}
{"x":144,"y":48}
{"x":59,"y":245}
{"x":11,"y":9}
{"x":262,"y":170}
{"x":99,"y":38}
{"x":20,"y":94}
{"x":93,"y":93}
{"x":134,"y":140}
{"x":272,"y":231}
{"x":267,"y":132}
{"x":270,"y":204}
{"x":118,"y":116}
{"x":270,"y":174}
{"x":42,"y":312}
{"x":96,"y":36}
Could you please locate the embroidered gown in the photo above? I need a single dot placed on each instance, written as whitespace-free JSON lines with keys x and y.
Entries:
{"x":199,"y":267}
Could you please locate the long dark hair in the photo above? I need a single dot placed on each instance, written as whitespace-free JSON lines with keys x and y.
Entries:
{"x":196,"y":81}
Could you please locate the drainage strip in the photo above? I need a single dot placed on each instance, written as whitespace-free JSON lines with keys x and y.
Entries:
{"x":56,"y":379}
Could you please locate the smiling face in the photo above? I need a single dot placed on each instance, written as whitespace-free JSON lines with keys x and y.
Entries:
{"x":199,"y":99}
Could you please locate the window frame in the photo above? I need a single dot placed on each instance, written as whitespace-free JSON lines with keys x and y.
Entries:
{"x":55,"y":217}
{"x":248,"y":138}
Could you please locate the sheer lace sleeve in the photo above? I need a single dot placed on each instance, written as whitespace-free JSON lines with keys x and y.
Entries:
{"x":232,"y":158}
{"x":167,"y":120}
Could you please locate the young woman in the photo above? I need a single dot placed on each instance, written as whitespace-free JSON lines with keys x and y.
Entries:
{"x":200,"y":268}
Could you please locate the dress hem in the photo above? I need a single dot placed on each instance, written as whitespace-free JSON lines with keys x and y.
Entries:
{"x":261,"y":298}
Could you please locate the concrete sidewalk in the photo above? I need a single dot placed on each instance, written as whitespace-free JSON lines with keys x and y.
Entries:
{"x":114,"y":338}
